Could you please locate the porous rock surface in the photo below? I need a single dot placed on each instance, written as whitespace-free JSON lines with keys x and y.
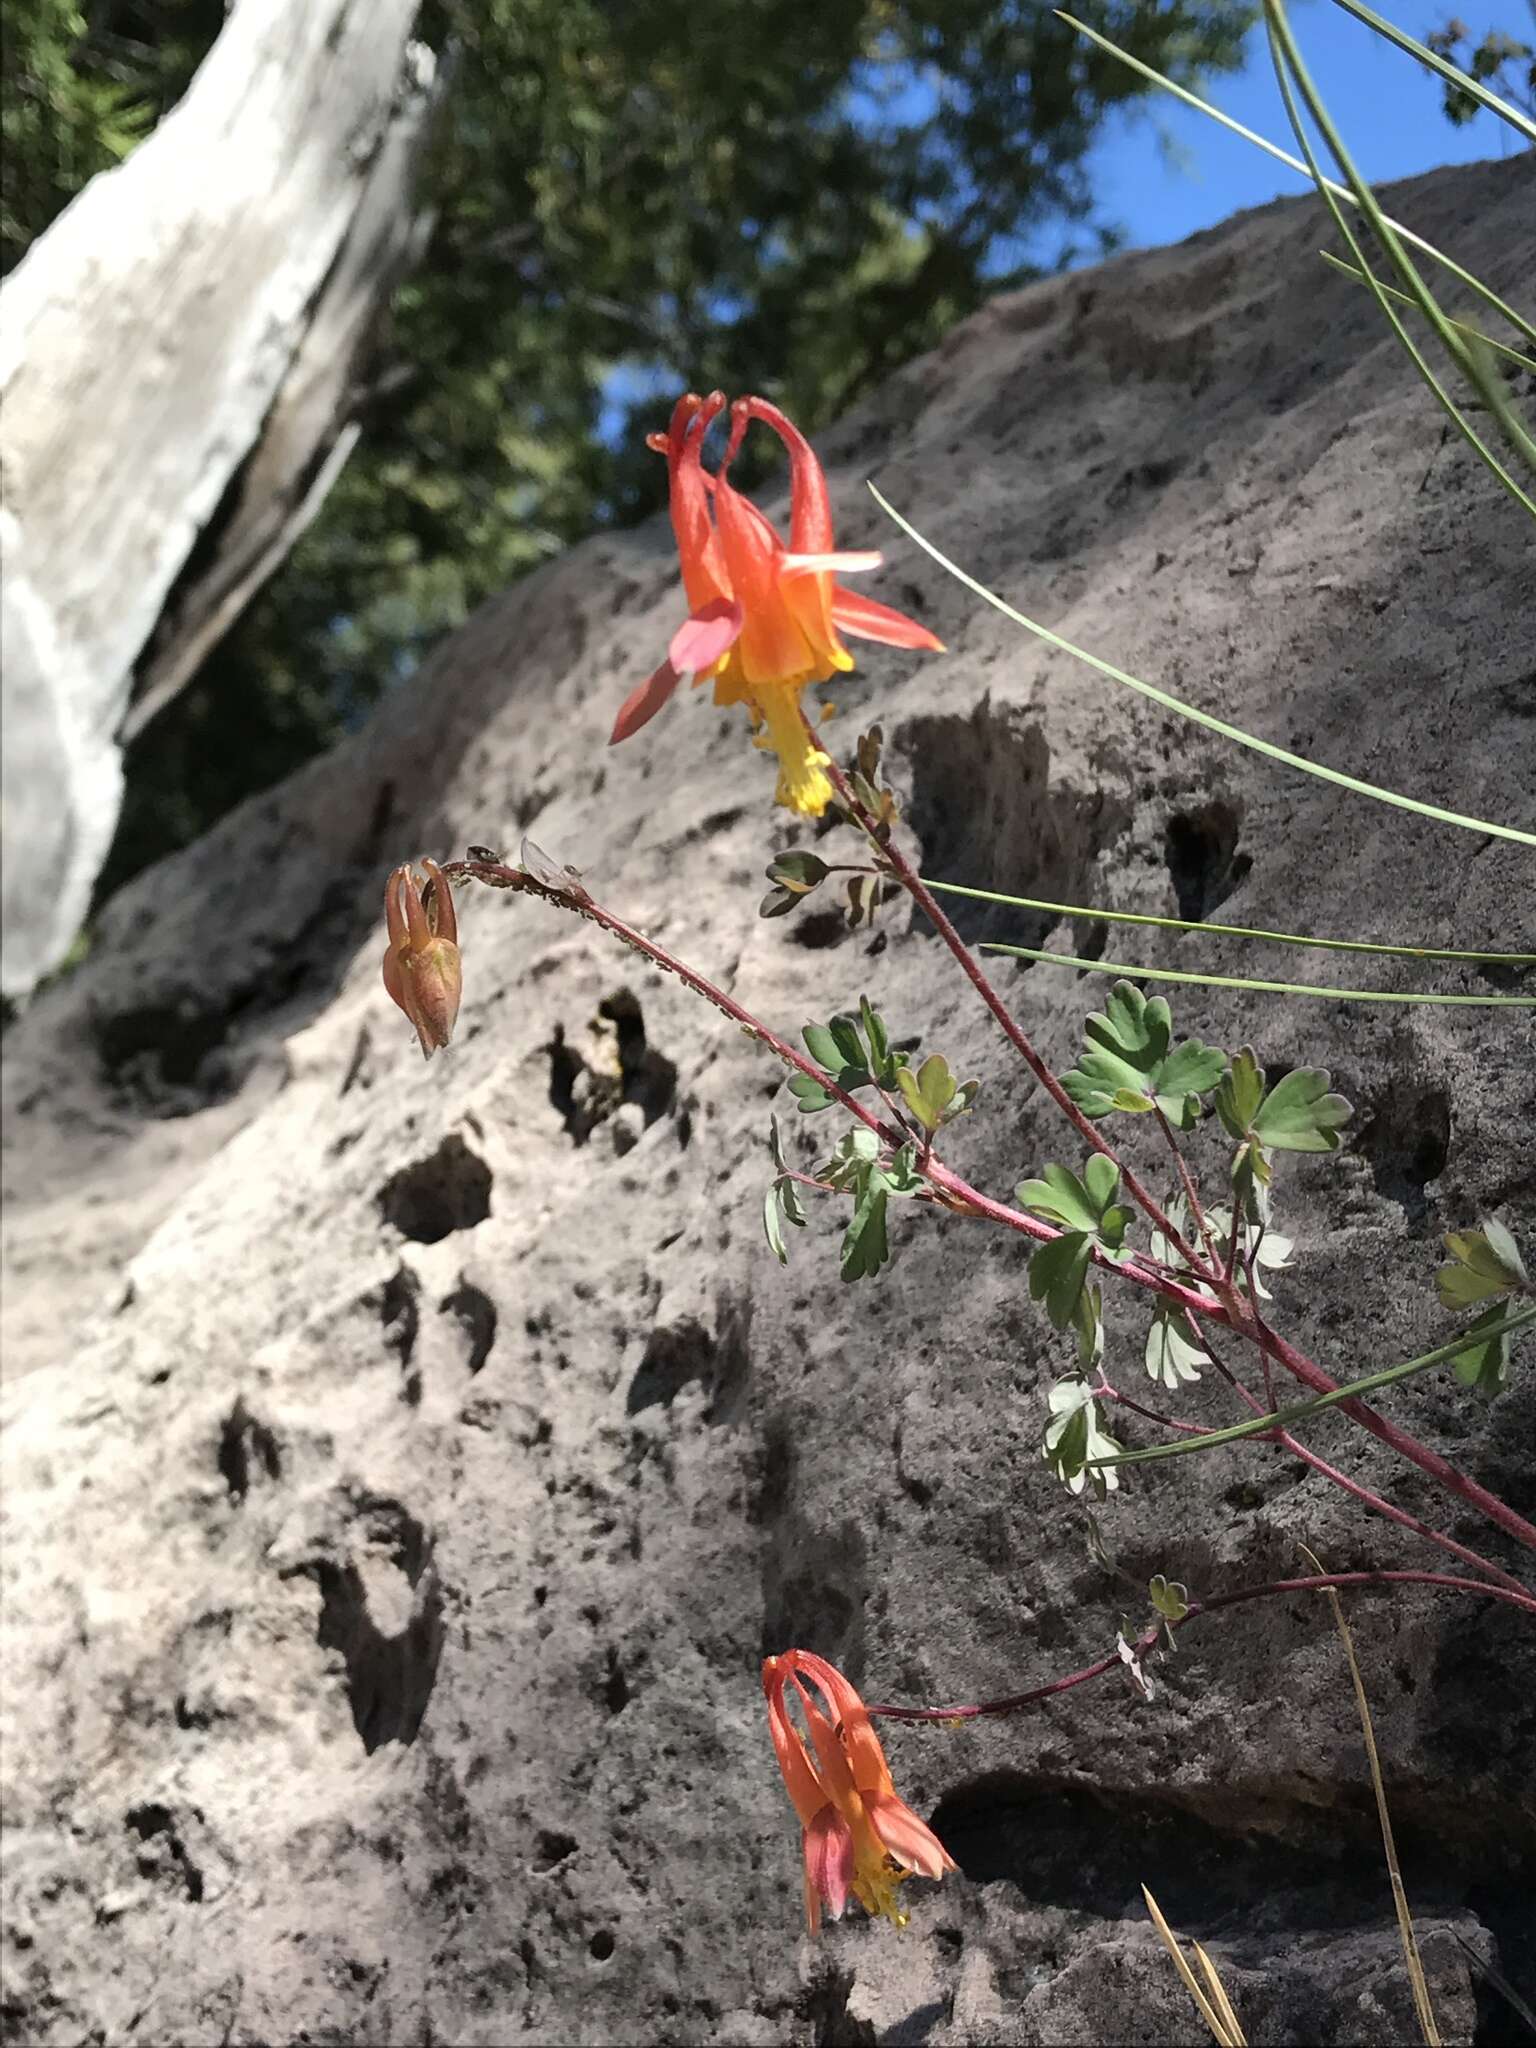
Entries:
{"x":406,"y":1467}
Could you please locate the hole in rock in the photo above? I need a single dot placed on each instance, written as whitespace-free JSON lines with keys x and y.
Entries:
{"x":383,"y":1611}
{"x":612,"y":1065}
{"x":1406,"y":1141}
{"x":601,"y":1945}
{"x":989,"y":815}
{"x":553,"y":1847}
{"x":677,"y":1354}
{"x":1204,"y":864}
{"x":166,"y":1056}
{"x":246,"y":1446}
{"x":476,"y":1314}
{"x":448,"y":1190}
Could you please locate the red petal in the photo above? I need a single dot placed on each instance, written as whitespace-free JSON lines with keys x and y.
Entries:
{"x":810,"y":509}
{"x":642,"y":704}
{"x":829,"y":1860}
{"x":867,"y":620}
{"x":700,"y":641}
{"x":910,"y":1840}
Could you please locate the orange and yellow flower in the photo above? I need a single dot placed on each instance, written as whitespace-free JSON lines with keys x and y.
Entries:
{"x":422,"y":972}
{"x":858,"y":1836}
{"x":763,"y":620}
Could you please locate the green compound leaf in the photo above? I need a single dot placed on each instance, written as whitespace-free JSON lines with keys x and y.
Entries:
{"x":781,"y":1205}
{"x":866,"y":1247}
{"x":1088,"y":1321}
{"x":1483,"y":1263}
{"x":1240,"y":1093}
{"x":932,"y":1093}
{"x":1169,"y":1598}
{"x":809,"y":1094}
{"x":1057,"y":1272}
{"x":1299,"y":1115}
{"x":1173,"y":1357}
{"x":1127,"y":1063}
{"x":797,"y":872}
{"x":1484,"y":1365}
{"x":1087,"y":1204}
{"x":1075,"y":1434}
{"x":1088,"y":1216}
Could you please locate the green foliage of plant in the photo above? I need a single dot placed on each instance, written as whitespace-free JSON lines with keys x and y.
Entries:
{"x":1131,"y":1064}
{"x":1485,"y":1266}
{"x":1075,"y":1435}
{"x":1090,"y":1220}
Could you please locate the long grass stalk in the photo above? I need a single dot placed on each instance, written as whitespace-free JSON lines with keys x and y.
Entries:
{"x":1206,"y":719}
{"x":1275,"y":988}
{"x":1097,"y":914}
{"x":1421,"y":2003}
{"x":1292,"y":76}
{"x":1451,"y":73}
{"x":1179,"y":92}
{"x":1298,"y":1411}
{"x":1474,"y":334}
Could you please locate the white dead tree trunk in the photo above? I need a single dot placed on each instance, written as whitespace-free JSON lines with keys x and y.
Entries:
{"x":177,"y":362}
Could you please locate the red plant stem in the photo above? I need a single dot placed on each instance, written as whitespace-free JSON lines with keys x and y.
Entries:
{"x":1014,"y":1703}
{"x":923,"y":897}
{"x":1234,"y":1312}
{"x":1342,"y":1480}
{"x":961,"y":1195}
{"x":1191,"y":1196}
{"x":1105,"y":1392}
{"x":1487,"y":1504}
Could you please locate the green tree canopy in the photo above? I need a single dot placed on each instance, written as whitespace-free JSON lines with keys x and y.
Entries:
{"x":791,"y":196}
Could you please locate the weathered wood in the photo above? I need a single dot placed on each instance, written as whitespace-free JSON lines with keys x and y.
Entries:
{"x":176,"y":358}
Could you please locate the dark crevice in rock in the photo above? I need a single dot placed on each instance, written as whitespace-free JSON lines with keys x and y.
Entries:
{"x":678,"y":1354}
{"x":390,"y":1671}
{"x":448,"y":1190}
{"x":1406,"y":1140}
{"x":623,"y":1068}
{"x":476,"y":1314}
{"x":165,"y":1854}
{"x":1074,"y":1846}
{"x":988,"y":814}
{"x":1204,"y":863}
{"x":246,"y":1447}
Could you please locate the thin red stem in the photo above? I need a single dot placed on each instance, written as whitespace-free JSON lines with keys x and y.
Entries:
{"x":1363,"y":1494}
{"x":1014,"y":1703}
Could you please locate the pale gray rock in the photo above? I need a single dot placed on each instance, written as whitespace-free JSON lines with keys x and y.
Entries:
{"x":403,"y":1478}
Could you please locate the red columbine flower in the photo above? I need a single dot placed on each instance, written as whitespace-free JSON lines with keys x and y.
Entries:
{"x":764,"y":620}
{"x":858,"y":1836}
{"x":421,"y":963}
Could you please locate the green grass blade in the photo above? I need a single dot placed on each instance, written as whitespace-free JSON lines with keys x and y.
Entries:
{"x":1512,"y":355}
{"x":1298,"y":1411}
{"x":1295,"y":163}
{"x":1197,"y":717}
{"x":1273,"y":988}
{"x":1289,"y":67}
{"x":1453,"y":73}
{"x":1233,"y":931}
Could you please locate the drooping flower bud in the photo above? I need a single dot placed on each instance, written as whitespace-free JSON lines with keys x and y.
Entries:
{"x":422,"y":972}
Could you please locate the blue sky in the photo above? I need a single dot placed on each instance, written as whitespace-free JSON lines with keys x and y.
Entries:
{"x":1387,"y":106}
